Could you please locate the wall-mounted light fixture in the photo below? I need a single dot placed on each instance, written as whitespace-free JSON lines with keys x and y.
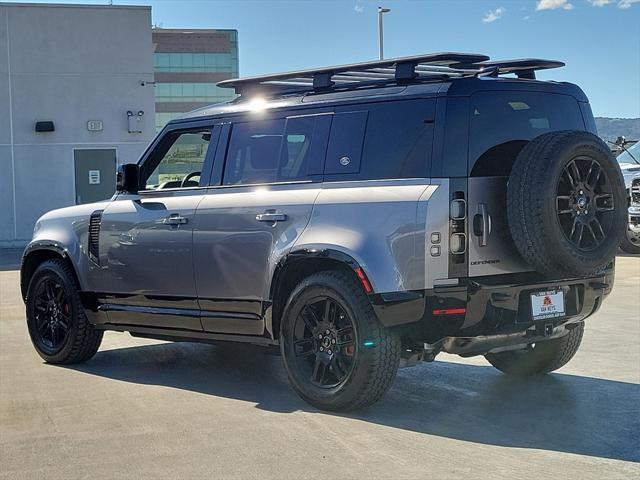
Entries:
{"x":45,"y":126}
{"x":135,"y":121}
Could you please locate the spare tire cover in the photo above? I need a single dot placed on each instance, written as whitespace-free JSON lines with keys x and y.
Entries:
{"x":566,"y":204}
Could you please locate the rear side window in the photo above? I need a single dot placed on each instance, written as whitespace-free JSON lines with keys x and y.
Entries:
{"x":399,"y":140}
{"x":387,"y":140}
{"x":345,"y":143}
{"x":276,"y":150}
{"x":501,"y":123}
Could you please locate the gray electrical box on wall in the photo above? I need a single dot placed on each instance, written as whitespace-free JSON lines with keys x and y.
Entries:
{"x":135,"y":121}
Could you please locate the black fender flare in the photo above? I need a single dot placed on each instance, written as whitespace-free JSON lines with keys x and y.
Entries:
{"x":38,"y":246}
{"x":295,"y":255}
{"x":277,"y":279}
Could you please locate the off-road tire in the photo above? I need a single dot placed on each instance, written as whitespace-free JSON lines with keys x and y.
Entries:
{"x":545,"y":357}
{"x":374,"y":366}
{"x":532,"y":209}
{"x":83,"y":339}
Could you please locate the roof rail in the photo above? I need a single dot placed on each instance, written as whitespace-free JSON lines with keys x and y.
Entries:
{"x":448,"y":65}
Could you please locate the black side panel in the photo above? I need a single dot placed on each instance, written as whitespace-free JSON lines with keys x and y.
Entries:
{"x":153,"y":316}
{"x":179,"y":335}
{"x":458,"y":265}
{"x":241,"y":317}
{"x":244,"y":317}
{"x":454,"y":135}
{"x":162,"y":311}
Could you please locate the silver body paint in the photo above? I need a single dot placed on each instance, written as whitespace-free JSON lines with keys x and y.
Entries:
{"x":223,"y":252}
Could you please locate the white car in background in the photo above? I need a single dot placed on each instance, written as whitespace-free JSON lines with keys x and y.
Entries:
{"x":629,"y":161}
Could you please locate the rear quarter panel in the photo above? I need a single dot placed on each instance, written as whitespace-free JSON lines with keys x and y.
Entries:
{"x":376,"y":223}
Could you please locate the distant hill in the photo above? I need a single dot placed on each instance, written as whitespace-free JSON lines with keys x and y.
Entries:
{"x":612,"y":128}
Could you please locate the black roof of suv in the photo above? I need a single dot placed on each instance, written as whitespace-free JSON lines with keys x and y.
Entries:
{"x":437,"y":74}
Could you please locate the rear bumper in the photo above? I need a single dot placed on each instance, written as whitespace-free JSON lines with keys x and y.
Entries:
{"x":489,"y":311}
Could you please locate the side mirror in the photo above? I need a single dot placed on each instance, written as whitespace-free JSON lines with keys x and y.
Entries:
{"x":128,"y":178}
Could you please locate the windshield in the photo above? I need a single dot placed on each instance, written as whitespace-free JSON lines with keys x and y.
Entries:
{"x":630,"y":155}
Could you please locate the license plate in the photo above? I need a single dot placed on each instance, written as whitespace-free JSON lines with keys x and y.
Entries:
{"x":549,"y":304}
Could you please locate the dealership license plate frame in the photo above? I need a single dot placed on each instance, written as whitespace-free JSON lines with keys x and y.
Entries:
{"x":542,"y":310}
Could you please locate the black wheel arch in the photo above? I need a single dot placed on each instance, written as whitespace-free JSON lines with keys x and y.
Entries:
{"x":297,"y":265}
{"x":34,"y":255}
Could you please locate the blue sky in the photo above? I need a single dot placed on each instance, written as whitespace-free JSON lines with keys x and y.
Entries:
{"x":598,"y":39}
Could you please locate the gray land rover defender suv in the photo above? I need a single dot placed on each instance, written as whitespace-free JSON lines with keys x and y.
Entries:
{"x":361,"y":218}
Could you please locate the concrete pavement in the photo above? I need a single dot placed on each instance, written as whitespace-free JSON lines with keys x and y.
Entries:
{"x":147,"y":409}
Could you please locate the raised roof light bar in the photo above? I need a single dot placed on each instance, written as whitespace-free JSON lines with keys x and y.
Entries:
{"x":392,"y":70}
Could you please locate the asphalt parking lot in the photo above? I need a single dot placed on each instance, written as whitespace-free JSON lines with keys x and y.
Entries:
{"x":147,"y":409}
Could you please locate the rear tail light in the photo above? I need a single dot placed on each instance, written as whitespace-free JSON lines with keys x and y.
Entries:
{"x":458,"y":243}
{"x":458,"y":209}
{"x":457,"y":227}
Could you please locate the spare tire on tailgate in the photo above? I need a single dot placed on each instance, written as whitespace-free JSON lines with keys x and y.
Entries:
{"x":566,"y":204}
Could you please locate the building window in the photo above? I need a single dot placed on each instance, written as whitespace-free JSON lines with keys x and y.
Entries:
{"x":196,"y":62}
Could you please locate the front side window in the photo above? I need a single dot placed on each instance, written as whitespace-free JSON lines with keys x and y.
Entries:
{"x":178,"y":161}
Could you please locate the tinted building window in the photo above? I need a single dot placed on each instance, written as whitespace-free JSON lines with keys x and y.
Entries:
{"x":187,"y":66}
{"x":279,"y":150}
{"x":501,"y":123}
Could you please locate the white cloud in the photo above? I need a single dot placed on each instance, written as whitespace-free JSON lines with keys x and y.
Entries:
{"x":626,"y":3}
{"x":358,"y":8}
{"x":493,"y":15}
{"x":600,"y":3}
{"x":526,"y":18}
{"x":553,"y":4}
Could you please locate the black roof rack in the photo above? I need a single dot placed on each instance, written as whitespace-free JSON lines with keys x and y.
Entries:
{"x":393,"y":70}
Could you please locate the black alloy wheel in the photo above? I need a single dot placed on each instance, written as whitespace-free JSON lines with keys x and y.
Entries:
{"x":585,"y":203}
{"x":57,"y":323}
{"x":337,"y":354}
{"x":325,"y":342}
{"x":566,"y":204}
{"x":52,"y":313}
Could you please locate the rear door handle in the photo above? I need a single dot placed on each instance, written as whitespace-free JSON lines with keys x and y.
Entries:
{"x":482,"y":224}
{"x":271,"y":217}
{"x":175,"y":219}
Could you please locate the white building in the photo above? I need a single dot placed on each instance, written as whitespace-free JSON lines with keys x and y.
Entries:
{"x":76,"y":98}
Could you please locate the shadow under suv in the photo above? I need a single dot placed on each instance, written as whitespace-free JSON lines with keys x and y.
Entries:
{"x":361,"y":217}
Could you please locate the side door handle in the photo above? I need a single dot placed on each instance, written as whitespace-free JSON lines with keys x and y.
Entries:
{"x":482,"y":224}
{"x":175,"y":219}
{"x":271,"y":217}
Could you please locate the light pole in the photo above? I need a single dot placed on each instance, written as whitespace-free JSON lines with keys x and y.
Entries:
{"x":381,"y":12}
